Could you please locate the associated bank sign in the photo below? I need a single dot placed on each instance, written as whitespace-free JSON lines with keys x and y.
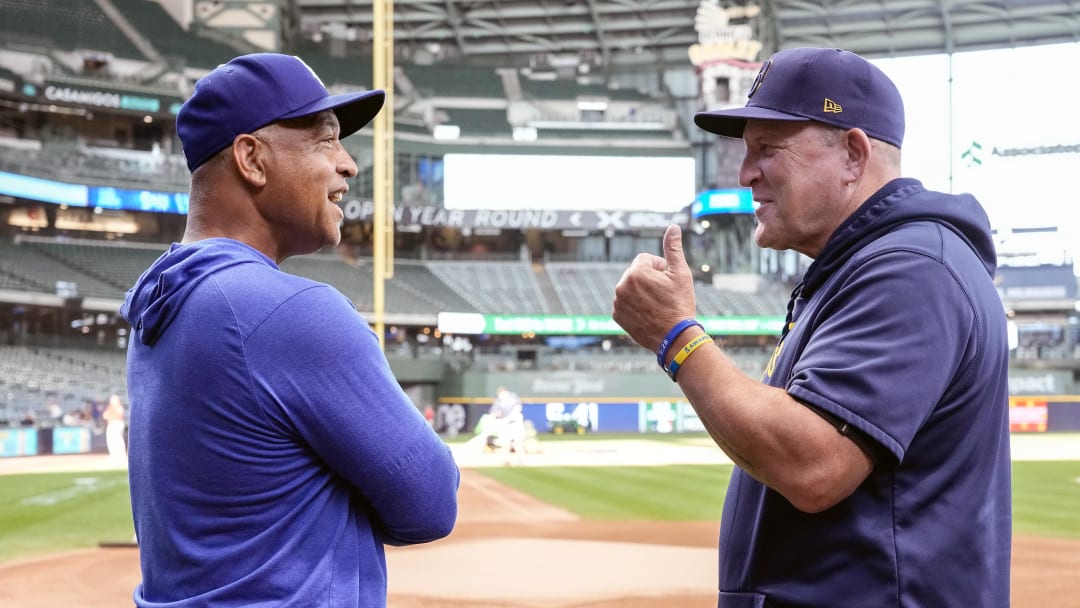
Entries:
{"x":974,"y":154}
{"x":101,"y":99}
{"x":1036,"y":150}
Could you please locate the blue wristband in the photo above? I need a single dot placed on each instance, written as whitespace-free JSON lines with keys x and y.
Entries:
{"x":681,"y":326}
{"x":684,"y":354}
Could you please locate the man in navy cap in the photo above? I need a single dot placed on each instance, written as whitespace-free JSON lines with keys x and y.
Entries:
{"x":873,"y":459}
{"x":272,"y":451}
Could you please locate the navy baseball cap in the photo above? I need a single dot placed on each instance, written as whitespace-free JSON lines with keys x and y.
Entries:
{"x":832,"y":86}
{"x":252,"y":91}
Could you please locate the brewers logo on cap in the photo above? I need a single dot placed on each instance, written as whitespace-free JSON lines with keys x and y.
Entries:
{"x":760,"y":77}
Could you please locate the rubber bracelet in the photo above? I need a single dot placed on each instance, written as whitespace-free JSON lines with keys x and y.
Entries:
{"x":684,"y":354}
{"x":661,"y":352}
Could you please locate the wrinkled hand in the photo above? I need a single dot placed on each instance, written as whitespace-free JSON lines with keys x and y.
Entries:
{"x":655,"y":293}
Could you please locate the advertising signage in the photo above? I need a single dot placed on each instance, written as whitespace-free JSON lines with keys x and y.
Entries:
{"x":44,"y":190}
{"x":74,"y":195}
{"x":103,"y":98}
{"x":516,"y":219}
{"x":474,"y":323}
{"x":726,"y":200}
{"x":99,"y":97}
{"x":138,"y":200}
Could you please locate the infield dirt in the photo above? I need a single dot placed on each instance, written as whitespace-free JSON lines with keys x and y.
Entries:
{"x":512,"y":551}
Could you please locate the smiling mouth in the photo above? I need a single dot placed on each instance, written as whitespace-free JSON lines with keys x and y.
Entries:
{"x":336,"y":197}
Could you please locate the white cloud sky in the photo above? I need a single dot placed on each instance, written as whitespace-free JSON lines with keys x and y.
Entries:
{"x":1004,"y":99}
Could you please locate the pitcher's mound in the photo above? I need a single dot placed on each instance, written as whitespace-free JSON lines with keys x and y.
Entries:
{"x":548,"y":570}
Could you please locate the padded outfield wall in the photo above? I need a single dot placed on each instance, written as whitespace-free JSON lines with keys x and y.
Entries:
{"x":598,"y":402}
{"x":567,"y":402}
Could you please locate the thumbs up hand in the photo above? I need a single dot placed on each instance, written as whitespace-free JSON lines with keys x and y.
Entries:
{"x":655,"y":293}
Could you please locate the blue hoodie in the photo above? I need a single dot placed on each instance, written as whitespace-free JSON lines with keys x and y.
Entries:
{"x":896,"y":331}
{"x":272,"y":451}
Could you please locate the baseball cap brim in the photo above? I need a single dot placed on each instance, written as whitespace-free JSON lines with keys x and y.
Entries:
{"x":730,"y":123}
{"x":353,"y":110}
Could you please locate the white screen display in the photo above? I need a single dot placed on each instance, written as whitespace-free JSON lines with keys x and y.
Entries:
{"x":495,"y":181}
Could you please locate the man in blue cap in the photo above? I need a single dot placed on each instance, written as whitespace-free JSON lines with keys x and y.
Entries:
{"x":873,"y":460}
{"x":272,"y":451}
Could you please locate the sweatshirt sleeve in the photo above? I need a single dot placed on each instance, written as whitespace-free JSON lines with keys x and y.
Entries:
{"x":887,"y":347}
{"x":327,"y":381}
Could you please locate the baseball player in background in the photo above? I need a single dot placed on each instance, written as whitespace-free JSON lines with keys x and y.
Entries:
{"x":508,"y":424}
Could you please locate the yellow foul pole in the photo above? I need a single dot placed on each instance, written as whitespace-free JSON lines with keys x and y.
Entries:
{"x":383,"y":222}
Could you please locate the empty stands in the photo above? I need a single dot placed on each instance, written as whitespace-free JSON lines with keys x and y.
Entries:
{"x":115,"y":265}
{"x":32,"y":377}
{"x":413,"y":290}
{"x":32,"y":265}
{"x":108,"y":268}
{"x":86,"y":166}
{"x":712,"y":301}
{"x":64,"y":24}
{"x":494,"y":287}
{"x":589,"y":288}
{"x":585,"y":288}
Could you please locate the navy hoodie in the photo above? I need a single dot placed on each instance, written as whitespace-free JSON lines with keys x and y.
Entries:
{"x":272,"y":451}
{"x":897,"y":331}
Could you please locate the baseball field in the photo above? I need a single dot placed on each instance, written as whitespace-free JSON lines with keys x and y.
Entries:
{"x":594,"y":522}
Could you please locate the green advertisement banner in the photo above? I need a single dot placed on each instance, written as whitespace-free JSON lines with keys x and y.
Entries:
{"x":473,"y":323}
{"x":102,"y":97}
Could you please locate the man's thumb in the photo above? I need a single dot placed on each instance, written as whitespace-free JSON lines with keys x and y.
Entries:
{"x":673,"y":251}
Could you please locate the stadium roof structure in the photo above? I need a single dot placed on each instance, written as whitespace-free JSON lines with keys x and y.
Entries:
{"x":613,"y":33}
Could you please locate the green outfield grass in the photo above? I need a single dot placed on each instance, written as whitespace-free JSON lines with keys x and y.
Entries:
{"x":1046,"y":495}
{"x":48,"y":513}
{"x":667,"y":493}
{"x":1046,"y":498}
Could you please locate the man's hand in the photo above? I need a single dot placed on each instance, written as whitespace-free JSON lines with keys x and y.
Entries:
{"x":655,"y":293}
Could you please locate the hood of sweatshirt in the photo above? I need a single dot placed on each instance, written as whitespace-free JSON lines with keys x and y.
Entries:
{"x":899,"y":202}
{"x":152,"y":304}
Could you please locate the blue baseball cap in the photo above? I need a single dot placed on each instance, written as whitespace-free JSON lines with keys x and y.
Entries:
{"x":252,"y":91}
{"x":831,"y":86}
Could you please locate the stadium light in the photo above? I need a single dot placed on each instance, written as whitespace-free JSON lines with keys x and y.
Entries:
{"x":593,"y":105}
{"x":525,"y":134}
{"x":446,"y":132}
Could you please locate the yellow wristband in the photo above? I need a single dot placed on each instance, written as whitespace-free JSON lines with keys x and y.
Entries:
{"x":684,"y":354}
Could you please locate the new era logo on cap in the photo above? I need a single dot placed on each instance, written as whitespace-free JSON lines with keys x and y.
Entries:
{"x":831,"y":86}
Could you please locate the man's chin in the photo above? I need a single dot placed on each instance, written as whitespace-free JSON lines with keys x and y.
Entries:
{"x":761,"y":237}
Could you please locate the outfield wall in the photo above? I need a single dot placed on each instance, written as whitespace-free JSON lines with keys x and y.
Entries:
{"x":32,"y":441}
{"x":577,"y":409}
{"x":569,"y":401}
{"x":459,"y":415}
{"x":1037,"y":413}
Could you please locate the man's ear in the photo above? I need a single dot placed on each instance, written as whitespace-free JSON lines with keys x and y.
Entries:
{"x":859,"y":148}
{"x":249,"y":156}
